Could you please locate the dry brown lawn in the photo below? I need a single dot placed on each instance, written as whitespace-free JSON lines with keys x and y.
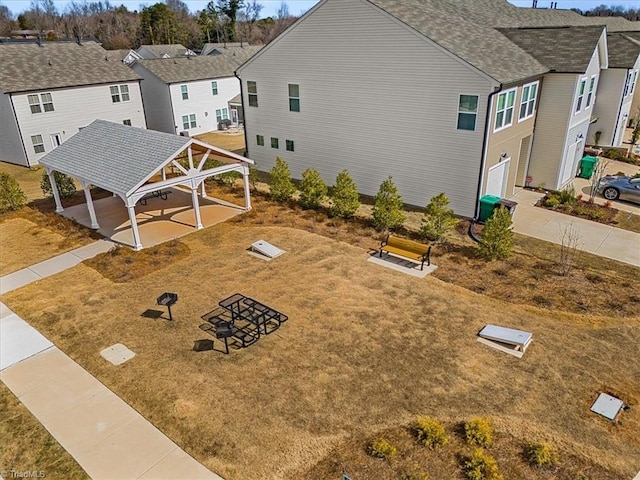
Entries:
{"x":365,"y":350}
{"x":28,"y":447}
{"x":229,"y":140}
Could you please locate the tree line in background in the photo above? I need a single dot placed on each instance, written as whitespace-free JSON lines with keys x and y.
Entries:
{"x":165,"y":22}
{"x":630,"y":13}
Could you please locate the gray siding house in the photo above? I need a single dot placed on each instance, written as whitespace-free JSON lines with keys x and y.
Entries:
{"x":49,"y":91}
{"x":411,"y":89}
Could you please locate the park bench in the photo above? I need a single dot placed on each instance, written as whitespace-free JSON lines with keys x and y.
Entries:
{"x":163,"y":194}
{"x":402,"y":247}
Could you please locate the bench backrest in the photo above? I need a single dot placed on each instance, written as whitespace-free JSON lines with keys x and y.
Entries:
{"x":408,"y":245}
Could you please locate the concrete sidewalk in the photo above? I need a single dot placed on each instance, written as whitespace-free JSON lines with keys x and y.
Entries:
{"x":108,"y":438}
{"x":53,"y":265}
{"x":596,"y":238}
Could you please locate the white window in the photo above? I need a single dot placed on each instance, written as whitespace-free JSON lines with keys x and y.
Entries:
{"x":581,"y":89}
{"x":38,"y":143}
{"x":528,"y":101}
{"x":252,"y":91}
{"x":294,"y":97}
{"x":222,"y":114}
{"x":119,"y":93}
{"x":185,"y":92}
{"x":260,"y":140}
{"x":467,"y":112}
{"x":214,"y":88}
{"x":126,"y":122}
{"x":592,"y":85}
{"x":39,"y":103}
{"x":504,"y":109}
{"x":189,"y":121}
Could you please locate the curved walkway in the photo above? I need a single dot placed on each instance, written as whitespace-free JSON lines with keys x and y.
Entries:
{"x":596,"y":238}
{"x":107,"y":437}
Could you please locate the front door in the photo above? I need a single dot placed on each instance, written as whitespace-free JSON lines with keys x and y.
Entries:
{"x":234,"y":116}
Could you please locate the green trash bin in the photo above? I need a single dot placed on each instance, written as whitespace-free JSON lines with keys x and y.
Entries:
{"x":587,"y":166}
{"x":487,"y":204}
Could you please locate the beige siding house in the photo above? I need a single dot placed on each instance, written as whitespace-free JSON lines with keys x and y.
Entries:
{"x":49,"y":91}
{"x":575,"y":57}
{"x":421,"y":106}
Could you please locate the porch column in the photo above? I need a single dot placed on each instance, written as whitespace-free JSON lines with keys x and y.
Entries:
{"x":164,"y":174}
{"x":54,"y":190}
{"x":204,"y":190}
{"x":134,"y":227}
{"x":196,"y":207}
{"x":92,"y":211}
{"x":247,"y":190}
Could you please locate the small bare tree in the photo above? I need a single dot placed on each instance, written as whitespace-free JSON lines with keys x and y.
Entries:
{"x":570,"y":241}
{"x":598,"y":173}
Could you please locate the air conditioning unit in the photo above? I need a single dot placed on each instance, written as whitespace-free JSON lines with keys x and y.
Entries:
{"x":184,"y":133}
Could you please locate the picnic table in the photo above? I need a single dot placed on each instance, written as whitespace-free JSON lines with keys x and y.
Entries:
{"x":245,"y":308}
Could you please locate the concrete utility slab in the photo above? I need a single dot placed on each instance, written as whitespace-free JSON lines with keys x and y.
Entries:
{"x":607,"y":405}
{"x":55,"y":265}
{"x":158,"y":221}
{"x":594,"y":237}
{"x":117,"y":354}
{"x":401,"y":265}
{"x":17,"y":279}
{"x":18,"y":340}
{"x":93,"y":249}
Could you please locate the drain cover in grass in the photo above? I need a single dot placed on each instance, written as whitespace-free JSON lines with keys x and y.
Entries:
{"x":607,"y":406}
{"x":117,"y":354}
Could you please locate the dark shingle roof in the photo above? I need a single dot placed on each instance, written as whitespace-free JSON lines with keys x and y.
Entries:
{"x":171,"y":50}
{"x":623,"y":52}
{"x":474,"y":42}
{"x":118,"y":55}
{"x":237,"y":53}
{"x":28,"y":66}
{"x":189,"y":69}
{"x":562,"y":49}
{"x":113,"y":156}
{"x":614,"y":24}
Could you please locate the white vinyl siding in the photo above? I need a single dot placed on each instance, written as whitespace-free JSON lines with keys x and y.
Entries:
{"x":75,"y":107}
{"x":528,"y":101}
{"x":336,"y":57}
{"x":467,"y":112}
{"x":504,"y":109}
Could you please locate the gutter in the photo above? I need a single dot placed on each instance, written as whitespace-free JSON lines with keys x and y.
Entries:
{"x":244,"y":117}
{"x":483,"y":161}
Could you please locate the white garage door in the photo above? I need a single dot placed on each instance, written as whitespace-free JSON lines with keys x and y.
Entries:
{"x":497,"y":179}
{"x":568,"y":170}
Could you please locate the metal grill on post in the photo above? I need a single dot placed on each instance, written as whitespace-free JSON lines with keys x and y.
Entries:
{"x":166,"y":300}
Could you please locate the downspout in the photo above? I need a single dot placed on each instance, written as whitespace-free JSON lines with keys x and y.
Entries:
{"x":483,"y":161}
{"x":244,"y":117}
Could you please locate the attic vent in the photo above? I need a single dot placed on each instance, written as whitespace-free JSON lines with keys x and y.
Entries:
{"x":50,"y":62}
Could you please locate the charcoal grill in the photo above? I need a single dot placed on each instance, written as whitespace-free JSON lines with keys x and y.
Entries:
{"x":166,"y":300}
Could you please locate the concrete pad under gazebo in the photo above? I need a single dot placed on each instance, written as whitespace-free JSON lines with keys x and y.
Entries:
{"x":149,"y":167}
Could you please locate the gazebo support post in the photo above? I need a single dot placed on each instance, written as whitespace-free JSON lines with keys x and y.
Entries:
{"x":54,"y":190}
{"x":204,"y":190}
{"x":92,"y":211}
{"x":134,"y":227}
{"x":196,"y":207}
{"x":247,"y":190}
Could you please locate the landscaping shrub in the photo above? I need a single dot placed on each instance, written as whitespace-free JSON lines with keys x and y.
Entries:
{"x":497,"y":236}
{"x":312,"y":189}
{"x":254,"y":177}
{"x":479,"y":432}
{"x":431,"y":432}
{"x":614,"y":154}
{"x":589,"y":210}
{"x":280,"y":184}
{"x":438,"y":218}
{"x":12,"y":197}
{"x":387,"y":207}
{"x":567,"y":196}
{"x":541,"y":455}
{"x":382,"y":449}
{"x":481,"y":466}
{"x":551,"y":201}
{"x":344,"y":196}
{"x":66,"y":187}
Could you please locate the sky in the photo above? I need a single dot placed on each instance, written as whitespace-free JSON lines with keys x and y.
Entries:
{"x":297,"y":7}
